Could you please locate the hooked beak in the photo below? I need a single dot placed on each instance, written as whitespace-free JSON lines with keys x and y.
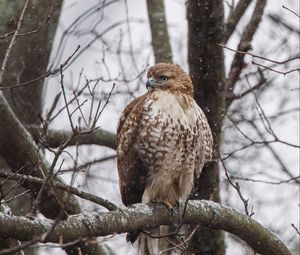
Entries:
{"x":151,"y":83}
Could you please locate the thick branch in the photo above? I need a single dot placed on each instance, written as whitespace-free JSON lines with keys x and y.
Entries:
{"x":234,"y":17}
{"x":98,"y":137}
{"x":244,"y":45}
{"x":159,"y":31}
{"x":138,"y":216}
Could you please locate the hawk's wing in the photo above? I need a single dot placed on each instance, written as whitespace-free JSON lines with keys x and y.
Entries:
{"x":132,"y":174}
{"x":206,"y":151}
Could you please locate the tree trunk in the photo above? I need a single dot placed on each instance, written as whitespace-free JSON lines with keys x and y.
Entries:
{"x":29,"y":60}
{"x":206,"y":63}
{"x":159,"y":31}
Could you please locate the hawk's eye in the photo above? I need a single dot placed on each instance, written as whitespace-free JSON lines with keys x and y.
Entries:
{"x":163,"y":78}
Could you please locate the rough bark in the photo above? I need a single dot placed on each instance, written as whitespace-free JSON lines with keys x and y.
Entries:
{"x":159,"y":31}
{"x":28,"y":60}
{"x":138,"y":216}
{"x":206,"y":63}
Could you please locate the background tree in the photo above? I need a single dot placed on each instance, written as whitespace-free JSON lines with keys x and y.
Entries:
{"x":114,"y":45}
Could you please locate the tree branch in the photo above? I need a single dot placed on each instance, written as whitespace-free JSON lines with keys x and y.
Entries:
{"x":234,"y":18}
{"x":138,"y":216}
{"x":54,"y":184}
{"x":159,"y":31}
{"x":20,"y":152}
{"x":98,"y":137}
{"x":244,"y":45}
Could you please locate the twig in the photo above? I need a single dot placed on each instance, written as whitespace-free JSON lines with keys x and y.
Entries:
{"x":259,"y":84}
{"x":79,"y":106}
{"x":19,"y":247}
{"x":65,"y":99}
{"x":284,"y":168}
{"x":98,"y":113}
{"x":82,"y":194}
{"x":237,"y":188}
{"x":70,"y":101}
{"x":284,"y":7}
{"x":88,"y":164}
{"x":47,"y":74}
{"x":297,"y":230}
{"x":12,"y":42}
{"x":260,"y":57}
{"x":27,"y":33}
{"x":52,"y":108}
{"x":268,"y":182}
{"x":276,"y":71}
{"x":277,"y":19}
{"x":14,"y":197}
{"x":50,"y":173}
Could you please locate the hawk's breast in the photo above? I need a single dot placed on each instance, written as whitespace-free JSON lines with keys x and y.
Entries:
{"x":170,"y":134}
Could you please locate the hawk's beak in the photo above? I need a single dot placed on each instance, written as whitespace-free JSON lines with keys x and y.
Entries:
{"x":151,"y":83}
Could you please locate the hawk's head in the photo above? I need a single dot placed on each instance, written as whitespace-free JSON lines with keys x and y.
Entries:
{"x":168,"y":76}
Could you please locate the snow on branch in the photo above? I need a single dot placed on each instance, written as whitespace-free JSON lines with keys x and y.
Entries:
{"x":139,"y":216}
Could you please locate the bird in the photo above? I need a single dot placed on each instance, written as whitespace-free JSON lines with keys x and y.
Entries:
{"x":163,"y":142}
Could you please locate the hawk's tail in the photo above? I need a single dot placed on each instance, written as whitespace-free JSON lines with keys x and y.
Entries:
{"x":147,"y":244}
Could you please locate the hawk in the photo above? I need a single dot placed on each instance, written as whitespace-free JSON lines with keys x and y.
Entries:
{"x":163,"y":141}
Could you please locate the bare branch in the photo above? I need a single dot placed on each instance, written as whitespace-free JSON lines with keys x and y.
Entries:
{"x":29,"y":32}
{"x":260,"y":57}
{"x":54,"y":184}
{"x":88,"y":164}
{"x":234,"y":17}
{"x":293,"y":180}
{"x":238,"y":64}
{"x":276,"y":71}
{"x":259,"y":84}
{"x":284,"y":7}
{"x":277,"y":19}
{"x":47,"y":74}
{"x":98,"y":137}
{"x":139,"y":216}
{"x":297,"y":230}
{"x":236,"y":186}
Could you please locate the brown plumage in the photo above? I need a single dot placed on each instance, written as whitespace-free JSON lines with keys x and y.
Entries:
{"x":163,"y":140}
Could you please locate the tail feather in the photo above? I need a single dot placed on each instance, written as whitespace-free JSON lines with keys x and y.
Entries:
{"x":147,"y":244}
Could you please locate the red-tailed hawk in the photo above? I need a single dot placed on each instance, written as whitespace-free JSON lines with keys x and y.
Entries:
{"x":163,"y":140}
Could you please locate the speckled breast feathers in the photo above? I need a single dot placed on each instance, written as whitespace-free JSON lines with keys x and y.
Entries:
{"x":164,"y":140}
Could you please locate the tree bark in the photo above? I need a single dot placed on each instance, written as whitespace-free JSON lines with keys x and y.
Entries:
{"x":28,"y":60}
{"x":138,"y":216}
{"x":206,"y":63}
{"x":159,"y":31}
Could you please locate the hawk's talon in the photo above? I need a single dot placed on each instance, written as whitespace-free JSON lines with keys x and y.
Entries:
{"x":168,"y":204}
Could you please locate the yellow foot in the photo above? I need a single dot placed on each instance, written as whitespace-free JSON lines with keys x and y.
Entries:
{"x":167,"y":204}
